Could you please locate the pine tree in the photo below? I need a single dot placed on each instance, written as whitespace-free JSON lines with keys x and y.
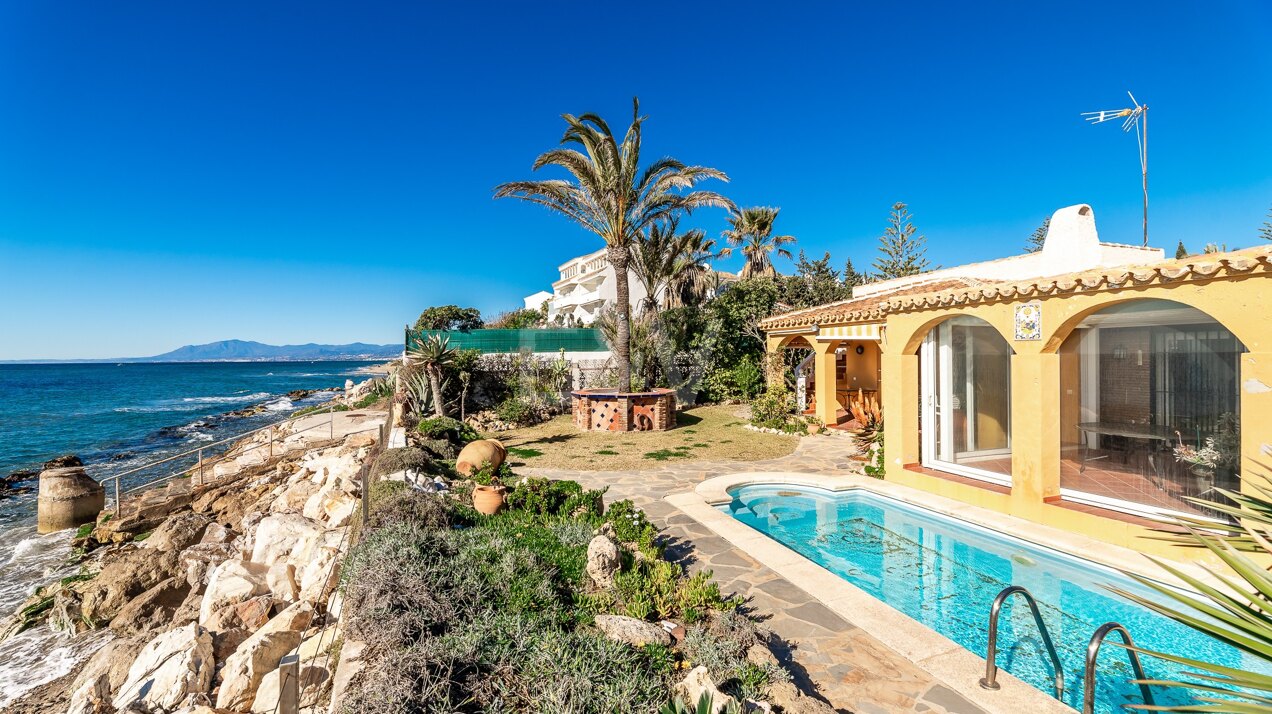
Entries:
{"x":901,"y":252}
{"x":1266,"y":231}
{"x":851,"y":277}
{"x":1180,"y":251}
{"x":1038,"y":237}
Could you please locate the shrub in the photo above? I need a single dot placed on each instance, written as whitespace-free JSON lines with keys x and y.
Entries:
{"x":555,"y":498}
{"x":404,"y":459}
{"x":488,"y":475}
{"x":721,"y":645}
{"x":406,"y":505}
{"x":774,"y":409}
{"x":878,"y":468}
{"x":438,"y":448}
{"x":630,"y":524}
{"x":516,"y":411}
{"x":452,"y":430}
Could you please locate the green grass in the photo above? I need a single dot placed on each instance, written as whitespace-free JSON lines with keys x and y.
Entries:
{"x":666,"y":454}
{"x":607,"y":452}
{"x":522,"y":452}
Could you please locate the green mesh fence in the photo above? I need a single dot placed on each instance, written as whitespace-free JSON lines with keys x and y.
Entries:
{"x":505,"y":341}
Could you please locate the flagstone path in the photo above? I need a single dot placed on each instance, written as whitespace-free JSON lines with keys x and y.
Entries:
{"x":829,"y":655}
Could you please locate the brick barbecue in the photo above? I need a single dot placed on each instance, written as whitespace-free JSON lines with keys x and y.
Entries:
{"x":610,"y":410}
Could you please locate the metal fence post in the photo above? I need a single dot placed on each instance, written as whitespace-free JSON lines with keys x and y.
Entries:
{"x":200,"y":466}
{"x":366,"y":493}
{"x":289,"y":684}
{"x":331,"y":421}
{"x":271,"y":442}
{"x":117,"y":504}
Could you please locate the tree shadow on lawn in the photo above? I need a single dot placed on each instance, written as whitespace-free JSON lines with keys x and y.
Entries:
{"x":683,"y":419}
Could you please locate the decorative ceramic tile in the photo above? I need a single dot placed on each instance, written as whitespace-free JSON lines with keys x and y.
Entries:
{"x":1029,"y":321}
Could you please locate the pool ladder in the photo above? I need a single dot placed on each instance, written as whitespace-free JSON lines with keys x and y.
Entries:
{"x":990,"y":680}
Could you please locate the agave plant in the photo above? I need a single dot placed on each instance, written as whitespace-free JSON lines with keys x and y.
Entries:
{"x":1239,"y":612}
{"x":706,"y":705}
{"x":434,"y":355}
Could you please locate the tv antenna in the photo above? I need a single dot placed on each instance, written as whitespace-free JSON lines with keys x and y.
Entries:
{"x":1136,"y":116}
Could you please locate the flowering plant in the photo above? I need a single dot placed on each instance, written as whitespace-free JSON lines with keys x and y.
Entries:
{"x":1206,"y":457}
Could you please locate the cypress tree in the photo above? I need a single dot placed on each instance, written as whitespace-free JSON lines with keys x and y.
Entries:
{"x":1180,"y":251}
{"x":901,"y":253}
{"x":1038,"y":237}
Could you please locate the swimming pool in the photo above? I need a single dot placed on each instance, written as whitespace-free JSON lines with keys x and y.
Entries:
{"x":945,"y":573}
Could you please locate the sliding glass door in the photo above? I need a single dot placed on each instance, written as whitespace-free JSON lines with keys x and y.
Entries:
{"x":966,"y":393}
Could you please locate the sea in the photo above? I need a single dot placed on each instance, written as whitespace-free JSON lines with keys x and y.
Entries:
{"x":116,"y":417}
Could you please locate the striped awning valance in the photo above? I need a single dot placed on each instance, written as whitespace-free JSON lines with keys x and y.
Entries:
{"x":869,"y":331}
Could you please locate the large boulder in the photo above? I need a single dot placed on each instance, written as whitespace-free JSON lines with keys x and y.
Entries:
{"x":243,"y":671}
{"x":123,"y":577}
{"x":109,"y":664}
{"x":230,"y":583}
{"x":294,"y":497}
{"x":281,"y":579}
{"x":478,"y":453}
{"x":198,"y":560}
{"x":636,"y":633}
{"x":285,"y":536}
{"x":168,"y":669}
{"x":603,"y":561}
{"x":153,"y":609}
{"x":179,"y":531}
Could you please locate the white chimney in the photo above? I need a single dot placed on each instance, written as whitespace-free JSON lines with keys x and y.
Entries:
{"x":1072,"y":243}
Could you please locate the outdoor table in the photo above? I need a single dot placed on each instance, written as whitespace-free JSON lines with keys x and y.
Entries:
{"x":1148,"y":432}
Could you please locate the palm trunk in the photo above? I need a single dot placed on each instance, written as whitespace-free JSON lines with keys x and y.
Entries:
{"x":435,"y":385}
{"x":618,"y":258}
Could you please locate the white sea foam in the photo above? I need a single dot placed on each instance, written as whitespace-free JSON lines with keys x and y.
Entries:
{"x":279,"y":405}
{"x":227,"y":399}
{"x":57,"y":655}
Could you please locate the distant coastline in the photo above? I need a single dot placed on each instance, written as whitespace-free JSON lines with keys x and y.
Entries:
{"x":245,"y":351}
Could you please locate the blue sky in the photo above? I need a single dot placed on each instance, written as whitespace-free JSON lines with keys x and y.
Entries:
{"x":174,"y":173}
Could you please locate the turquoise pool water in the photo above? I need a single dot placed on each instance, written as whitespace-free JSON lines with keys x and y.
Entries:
{"x":945,"y":573}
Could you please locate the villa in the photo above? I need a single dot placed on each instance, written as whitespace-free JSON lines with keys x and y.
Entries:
{"x":586,"y":285}
{"x":1088,"y":386}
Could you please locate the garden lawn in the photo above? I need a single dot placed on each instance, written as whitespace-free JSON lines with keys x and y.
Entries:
{"x":713,"y":433}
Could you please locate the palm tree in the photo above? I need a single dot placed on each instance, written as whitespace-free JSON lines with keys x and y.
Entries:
{"x":434,"y":355}
{"x":668,"y":263}
{"x":613,"y":197}
{"x":751,"y":230}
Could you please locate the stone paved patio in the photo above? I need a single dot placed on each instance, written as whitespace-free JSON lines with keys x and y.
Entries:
{"x":829,"y":655}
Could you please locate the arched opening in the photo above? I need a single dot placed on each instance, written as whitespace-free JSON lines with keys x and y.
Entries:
{"x":1149,"y":408}
{"x":965,"y":380}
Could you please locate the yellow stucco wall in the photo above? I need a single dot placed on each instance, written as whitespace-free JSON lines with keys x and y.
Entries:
{"x":1243,"y":305}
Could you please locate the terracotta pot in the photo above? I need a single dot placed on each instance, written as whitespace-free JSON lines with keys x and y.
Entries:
{"x":489,"y":499}
{"x":814,"y":428}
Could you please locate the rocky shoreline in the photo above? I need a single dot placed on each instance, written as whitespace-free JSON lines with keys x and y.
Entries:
{"x":198,"y":591}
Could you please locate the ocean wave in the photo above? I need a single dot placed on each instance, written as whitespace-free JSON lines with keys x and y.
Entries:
{"x":279,"y":405}
{"x":228,"y":399}
{"x":57,"y":657}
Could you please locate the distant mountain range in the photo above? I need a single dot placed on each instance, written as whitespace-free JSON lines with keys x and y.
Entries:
{"x":247,"y":351}
{"x":243,"y":350}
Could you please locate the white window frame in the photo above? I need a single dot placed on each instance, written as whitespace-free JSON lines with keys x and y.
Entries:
{"x":932,"y":359}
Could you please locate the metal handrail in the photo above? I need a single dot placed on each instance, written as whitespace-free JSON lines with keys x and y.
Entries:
{"x":1093,"y":651}
{"x":990,"y":680}
{"x":331,"y":425}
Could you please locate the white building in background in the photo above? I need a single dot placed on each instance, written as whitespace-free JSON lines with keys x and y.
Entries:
{"x":535,"y":301}
{"x":586,"y":285}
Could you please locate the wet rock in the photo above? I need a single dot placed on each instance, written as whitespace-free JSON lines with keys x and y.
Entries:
{"x":169,"y":669}
{"x":603,"y":561}
{"x":62,"y":462}
{"x":636,"y":633}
